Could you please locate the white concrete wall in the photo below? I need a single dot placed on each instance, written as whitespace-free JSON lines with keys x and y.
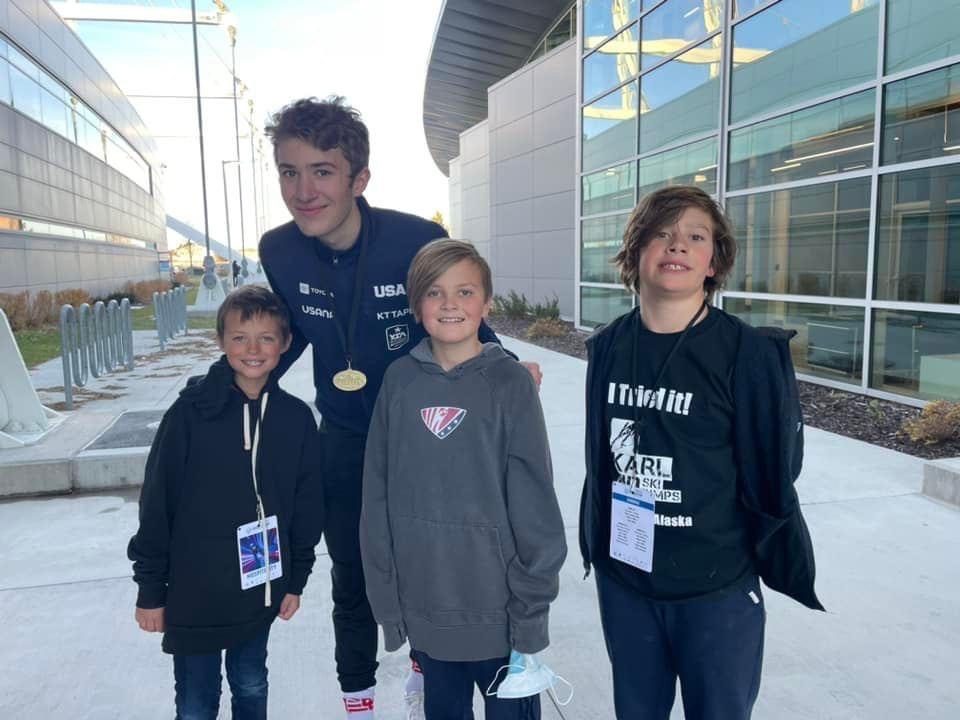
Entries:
{"x":474,"y":164}
{"x":455,"y":206}
{"x":532,"y":174}
{"x":32,"y":262}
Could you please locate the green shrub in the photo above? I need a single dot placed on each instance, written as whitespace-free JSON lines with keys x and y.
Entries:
{"x":548,"y":309}
{"x":514,"y":306}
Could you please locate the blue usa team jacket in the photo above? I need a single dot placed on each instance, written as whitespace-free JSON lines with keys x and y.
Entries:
{"x":316,"y":281}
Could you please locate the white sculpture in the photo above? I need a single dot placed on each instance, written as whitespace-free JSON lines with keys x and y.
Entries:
{"x":211,"y":292}
{"x":23,"y":420}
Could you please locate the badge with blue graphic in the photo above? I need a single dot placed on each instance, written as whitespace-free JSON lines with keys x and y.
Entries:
{"x":252,"y":547}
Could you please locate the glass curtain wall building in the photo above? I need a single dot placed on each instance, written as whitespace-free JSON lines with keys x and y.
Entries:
{"x":830,"y":130}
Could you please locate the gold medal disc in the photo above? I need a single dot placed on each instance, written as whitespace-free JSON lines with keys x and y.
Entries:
{"x":349,"y":380}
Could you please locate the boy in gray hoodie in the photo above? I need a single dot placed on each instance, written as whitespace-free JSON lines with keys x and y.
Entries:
{"x":460,"y":532}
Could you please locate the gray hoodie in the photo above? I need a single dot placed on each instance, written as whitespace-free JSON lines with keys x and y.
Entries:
{"x":461,"y":533}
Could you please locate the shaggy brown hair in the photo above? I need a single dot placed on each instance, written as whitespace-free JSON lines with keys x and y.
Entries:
{"x":662,"y":208}
{"x":325,"y":125}
{"x":433,"y":260}
{"x":252,"y":300}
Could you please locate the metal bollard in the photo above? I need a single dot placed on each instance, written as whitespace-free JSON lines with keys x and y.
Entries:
{"x":170,"y":312}
{"x":93,"y":342}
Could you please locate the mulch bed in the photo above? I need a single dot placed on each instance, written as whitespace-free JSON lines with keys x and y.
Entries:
{"x":855,"y":416}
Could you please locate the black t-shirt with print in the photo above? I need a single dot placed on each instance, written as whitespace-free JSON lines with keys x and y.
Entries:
{"x":684,"y":455}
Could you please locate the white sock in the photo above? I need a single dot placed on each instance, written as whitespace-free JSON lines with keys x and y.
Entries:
{"x":359,"y":705}
{"x":414,"y":682}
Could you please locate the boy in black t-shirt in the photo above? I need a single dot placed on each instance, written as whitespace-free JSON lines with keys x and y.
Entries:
{"x":694,"y":440}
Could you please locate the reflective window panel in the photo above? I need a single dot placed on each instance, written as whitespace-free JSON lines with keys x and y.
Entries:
{"x":921,"y":116}
{"x":800,"y":49}
{"x":676,"y":24}
{"x":565,"y":29}
{"x":803,"y":241}
{"x":829,"y":339}
{"x":600,"y":239}
{"x":26,"y":65}
{"x":602,"y":17}
{"x":601,"y":305}
{"x":916,"y":353}
{"x":918,"y":236}
{"x":610,"y":189}
{"x":921,"y":31}
{"x":745,"y":7}
{"x":681,"y":98}
{"x":694,"y":164}
{"x":26,"y":94}
{"x":610,"y":128}
{"x":5,"y":96}
{"x":612,"y":63}
{"x":833,"y":137}
{"x":55,"y":115}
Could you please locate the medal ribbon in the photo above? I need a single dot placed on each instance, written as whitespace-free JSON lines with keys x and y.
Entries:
{"x":347,"y":337}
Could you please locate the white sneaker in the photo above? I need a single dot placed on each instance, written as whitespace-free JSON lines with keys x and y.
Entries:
{"x":414,"y":703}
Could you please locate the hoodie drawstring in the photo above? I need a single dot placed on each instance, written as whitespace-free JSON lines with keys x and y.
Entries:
{"x":254,"y":447}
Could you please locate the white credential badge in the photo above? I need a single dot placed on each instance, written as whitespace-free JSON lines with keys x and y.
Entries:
{"x":631,"y":526}
{"x":252,"y":554}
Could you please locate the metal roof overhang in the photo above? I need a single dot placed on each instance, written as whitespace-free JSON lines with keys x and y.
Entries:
{"x":476,"y":43}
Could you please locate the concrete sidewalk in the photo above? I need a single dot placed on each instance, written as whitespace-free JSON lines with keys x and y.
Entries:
{"x":886,"y":648}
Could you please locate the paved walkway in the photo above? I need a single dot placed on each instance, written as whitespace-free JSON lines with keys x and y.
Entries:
{"x":888,"y":575}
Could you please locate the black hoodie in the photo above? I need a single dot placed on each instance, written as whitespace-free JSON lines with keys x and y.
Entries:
{"x":199,"y":488}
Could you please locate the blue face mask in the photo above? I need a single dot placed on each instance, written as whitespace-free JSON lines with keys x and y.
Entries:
{"x":527,"y":676}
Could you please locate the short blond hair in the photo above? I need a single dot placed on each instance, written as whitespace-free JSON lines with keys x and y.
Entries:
{"x":433,"y":260}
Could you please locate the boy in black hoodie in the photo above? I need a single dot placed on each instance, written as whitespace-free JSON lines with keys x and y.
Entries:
{"x":230,"y":511}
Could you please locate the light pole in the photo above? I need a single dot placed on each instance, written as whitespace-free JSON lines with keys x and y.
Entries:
{"x":232,"y":33}
{"x":226,"y":206}
{"x":209,"y":277}
{"x":253,"y":172}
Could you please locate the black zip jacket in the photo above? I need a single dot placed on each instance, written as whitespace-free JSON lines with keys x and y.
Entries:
{"x":305,"y":272}
{"x":198,"y":489}
{"x":768,"y":438}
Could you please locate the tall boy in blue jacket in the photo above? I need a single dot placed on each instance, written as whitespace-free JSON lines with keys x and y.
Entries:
{"x":340,"y":266}
{"x":694,"y":440}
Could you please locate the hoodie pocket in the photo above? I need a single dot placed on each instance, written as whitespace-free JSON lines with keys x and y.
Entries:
{"x":444,"y":567}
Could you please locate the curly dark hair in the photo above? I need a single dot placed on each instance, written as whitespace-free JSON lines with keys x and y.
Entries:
{"x":661,"y":208}
{"x":325,"y":124}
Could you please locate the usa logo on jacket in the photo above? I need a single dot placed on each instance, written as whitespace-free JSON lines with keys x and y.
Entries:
{"x":442,"y":421}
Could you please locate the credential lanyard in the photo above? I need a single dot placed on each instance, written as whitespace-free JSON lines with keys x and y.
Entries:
{"x":347,"y":336}
{"x":638,"y":401}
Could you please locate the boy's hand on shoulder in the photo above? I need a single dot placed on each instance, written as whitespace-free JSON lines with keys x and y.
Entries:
{"x":289,"y":606}
{"x":150,"y":620}
{"x":534,"y":370}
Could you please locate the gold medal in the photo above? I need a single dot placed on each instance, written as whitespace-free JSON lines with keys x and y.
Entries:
{"x":349,"y":380}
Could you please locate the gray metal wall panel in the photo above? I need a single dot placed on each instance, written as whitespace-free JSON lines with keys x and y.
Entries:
{"x":514,"y":138}
{"x":551,"y":168}
{"x":532,"y":170}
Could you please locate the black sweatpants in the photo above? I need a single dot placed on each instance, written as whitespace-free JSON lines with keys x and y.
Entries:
{"x":354,"y":629}
{"x":714,"y":645}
